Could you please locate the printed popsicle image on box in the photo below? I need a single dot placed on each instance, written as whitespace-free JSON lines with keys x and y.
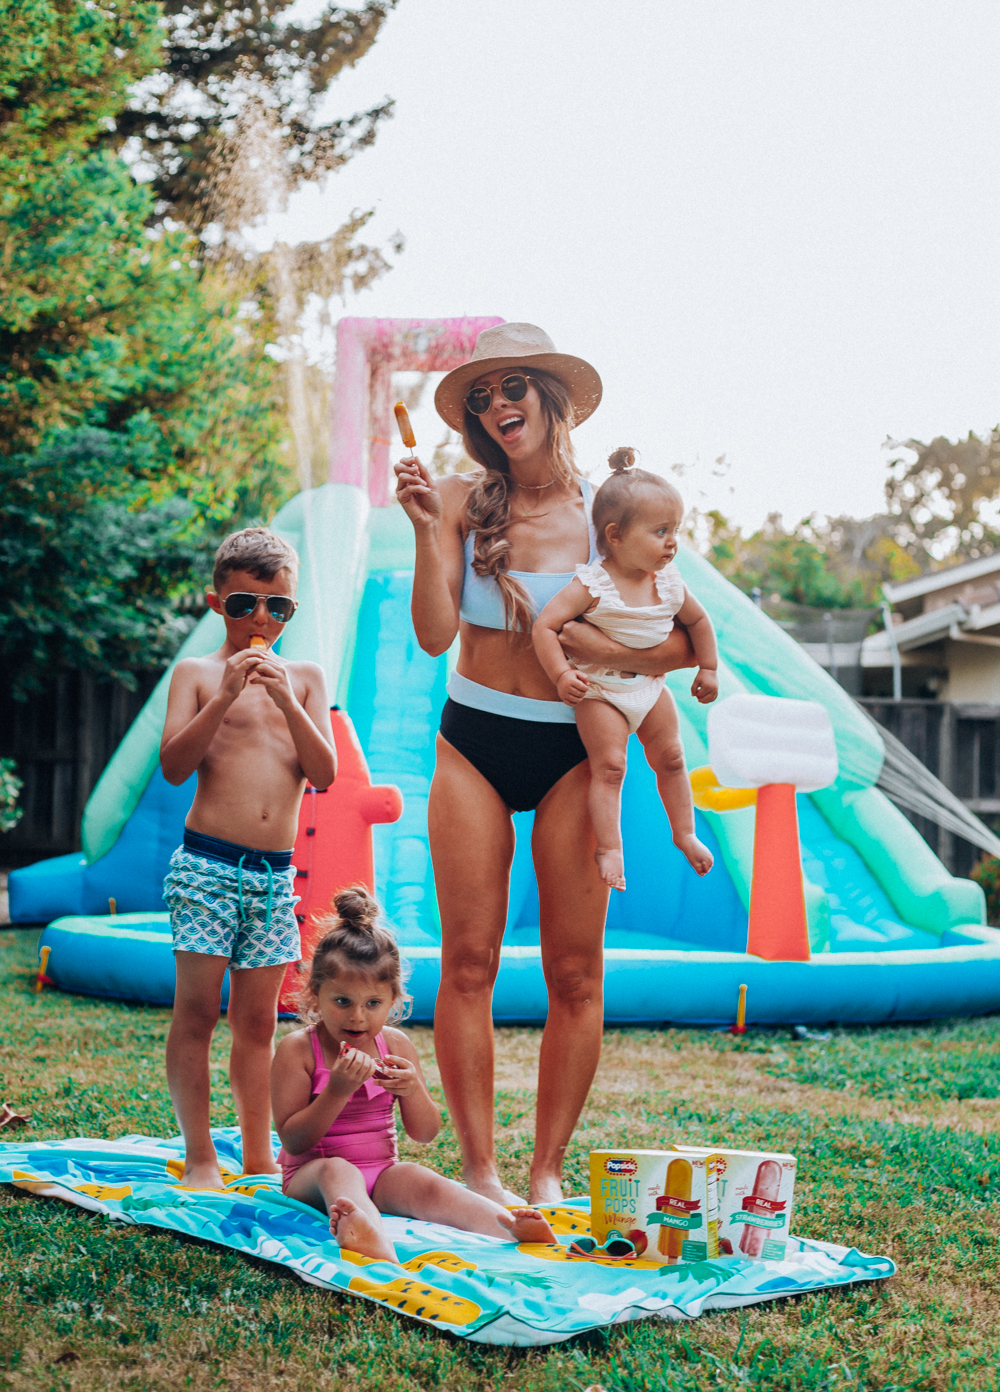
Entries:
{"x":663,"y":1202}
{"x":755,"y":1190}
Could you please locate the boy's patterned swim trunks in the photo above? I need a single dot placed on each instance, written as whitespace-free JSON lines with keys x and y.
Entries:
{"x":220,"y":909}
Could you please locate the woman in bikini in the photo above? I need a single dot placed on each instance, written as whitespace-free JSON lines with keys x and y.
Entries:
{"x":491,"y":550}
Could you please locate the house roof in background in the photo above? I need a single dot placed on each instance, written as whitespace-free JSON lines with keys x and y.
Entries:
{"x":941,"y":579}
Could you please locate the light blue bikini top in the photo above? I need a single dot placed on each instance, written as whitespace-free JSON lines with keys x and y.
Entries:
{"x":482,"y":603}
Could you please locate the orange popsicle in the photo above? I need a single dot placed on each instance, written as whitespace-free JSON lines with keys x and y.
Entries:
{"x":405,"y":428}
{"x":257,"y":642}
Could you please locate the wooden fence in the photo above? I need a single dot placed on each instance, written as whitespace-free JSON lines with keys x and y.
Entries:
{"x":62,"y":739}
{"x":960,"y":743}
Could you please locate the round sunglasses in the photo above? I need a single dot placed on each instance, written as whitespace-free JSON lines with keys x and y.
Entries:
{"x":514,"y":388}
{"x":241,"y":606}
{"x":614,"y":1245}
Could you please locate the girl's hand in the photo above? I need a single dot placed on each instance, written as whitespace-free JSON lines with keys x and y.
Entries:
{"x":705,"y":686}
{"x":398,"y":1076}
{"x":418,"y":493}
{"x":352,"y":1069}
{"x":572,"y":687}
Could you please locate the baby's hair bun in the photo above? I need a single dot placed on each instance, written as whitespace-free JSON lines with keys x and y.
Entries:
{"x":356,"y":909}
{"x":622,"y":459}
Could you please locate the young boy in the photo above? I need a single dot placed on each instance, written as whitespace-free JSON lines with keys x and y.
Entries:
{"x":255,"y":727}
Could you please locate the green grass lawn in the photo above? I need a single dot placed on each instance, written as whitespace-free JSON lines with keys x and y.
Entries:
{"x":896,"y":1131}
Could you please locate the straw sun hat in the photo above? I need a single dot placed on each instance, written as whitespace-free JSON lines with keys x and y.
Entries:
{"x":513,"y":346}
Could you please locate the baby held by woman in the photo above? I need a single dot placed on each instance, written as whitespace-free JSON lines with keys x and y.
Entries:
{"x":335,"y":1086}
{"x":633,"y":593}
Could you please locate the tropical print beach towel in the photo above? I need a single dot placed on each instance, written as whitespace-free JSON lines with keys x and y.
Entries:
{"x":479,"y":1288}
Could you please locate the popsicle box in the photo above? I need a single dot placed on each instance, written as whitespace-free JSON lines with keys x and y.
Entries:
{"x":755,"y":1190}
{"x":664,"y":1202}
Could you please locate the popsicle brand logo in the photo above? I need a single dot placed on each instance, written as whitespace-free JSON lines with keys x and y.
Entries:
{"x":621,"y":1166}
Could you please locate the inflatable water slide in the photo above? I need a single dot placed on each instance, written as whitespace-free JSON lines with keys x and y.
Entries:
{"x":892,"y":935}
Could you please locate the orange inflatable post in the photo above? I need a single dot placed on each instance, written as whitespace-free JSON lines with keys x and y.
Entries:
{"x":778,"y":929}
{"x":333,"y":848}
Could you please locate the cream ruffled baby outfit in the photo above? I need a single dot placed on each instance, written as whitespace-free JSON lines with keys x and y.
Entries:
{"x":640,"y":627}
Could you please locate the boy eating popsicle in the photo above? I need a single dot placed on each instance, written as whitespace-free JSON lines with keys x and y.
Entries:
{"x":254,"y":727}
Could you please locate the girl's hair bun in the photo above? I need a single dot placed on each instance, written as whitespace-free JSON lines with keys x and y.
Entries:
{"x":356,"y":909}
{"x":351,"y":939}
{"x":622,"y":459}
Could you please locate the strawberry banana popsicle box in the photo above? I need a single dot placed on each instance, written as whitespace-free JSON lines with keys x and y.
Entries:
{"x":754,"y":1191}
{"x":663,"y":1202}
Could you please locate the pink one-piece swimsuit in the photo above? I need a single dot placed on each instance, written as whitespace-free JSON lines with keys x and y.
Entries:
{"x":364,"y":1133}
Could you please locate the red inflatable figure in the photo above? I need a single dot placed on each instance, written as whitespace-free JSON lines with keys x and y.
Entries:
{"x":334,"y":846}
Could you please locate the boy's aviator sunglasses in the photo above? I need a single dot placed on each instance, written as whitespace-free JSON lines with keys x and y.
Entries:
{"x":241,"y":606}
{"x":513,"y":388}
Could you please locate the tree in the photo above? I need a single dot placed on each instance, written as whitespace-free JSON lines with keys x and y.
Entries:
{"x":217,"y":54}
{"x":943,"y":496}
{"x":92,"y":568}
{"x":832,"y":563}
{"x":100,"y":323}
{"x":66,"y":67}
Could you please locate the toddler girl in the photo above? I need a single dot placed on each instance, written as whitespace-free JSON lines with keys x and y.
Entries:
{"x":334,"y":1087}
{"x":633,"y":594}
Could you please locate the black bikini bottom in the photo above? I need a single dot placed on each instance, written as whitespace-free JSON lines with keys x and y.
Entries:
{"x":521,"y":759}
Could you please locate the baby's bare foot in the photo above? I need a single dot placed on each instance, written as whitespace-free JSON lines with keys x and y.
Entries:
{"x":354,"y":1230}
{"x":526,"y":1225}
{"x":204,"y":1176}
{"x":611,"y":867}
{"x":699,"y":855}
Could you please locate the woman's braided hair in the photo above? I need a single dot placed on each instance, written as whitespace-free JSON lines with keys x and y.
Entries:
{"x":489,"y":507}
{"x":354,"y":940}
{"x":617,"y":499}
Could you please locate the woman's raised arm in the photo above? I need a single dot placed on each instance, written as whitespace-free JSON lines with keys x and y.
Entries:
{"x":436,"y":513}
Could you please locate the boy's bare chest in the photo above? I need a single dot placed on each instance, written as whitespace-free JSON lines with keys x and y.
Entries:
{"x":252,"y":721}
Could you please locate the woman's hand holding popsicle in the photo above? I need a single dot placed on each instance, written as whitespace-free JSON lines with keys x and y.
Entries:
{"x":418,"y":493}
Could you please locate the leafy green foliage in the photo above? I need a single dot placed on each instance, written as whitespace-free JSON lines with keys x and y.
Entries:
{"x":10,"y":789}
{"x":66,"y":67}
{"x":91,"y":574}
{"x":101,"y":323}
{"x":839,"y":563}
{"x":217,"y":53}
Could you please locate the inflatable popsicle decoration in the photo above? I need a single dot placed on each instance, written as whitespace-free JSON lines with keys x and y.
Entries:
{"x":763,"y":749}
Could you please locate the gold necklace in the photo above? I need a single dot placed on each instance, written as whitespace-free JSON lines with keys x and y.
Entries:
{"x":535,"y":487}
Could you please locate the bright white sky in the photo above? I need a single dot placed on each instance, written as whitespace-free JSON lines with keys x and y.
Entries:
{"x":770,"y":224}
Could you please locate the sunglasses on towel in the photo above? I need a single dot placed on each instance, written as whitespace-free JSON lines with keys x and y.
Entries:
{"x":513,"y":388}
{"x":614,"y":1245}
{"x":241,"y":606}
